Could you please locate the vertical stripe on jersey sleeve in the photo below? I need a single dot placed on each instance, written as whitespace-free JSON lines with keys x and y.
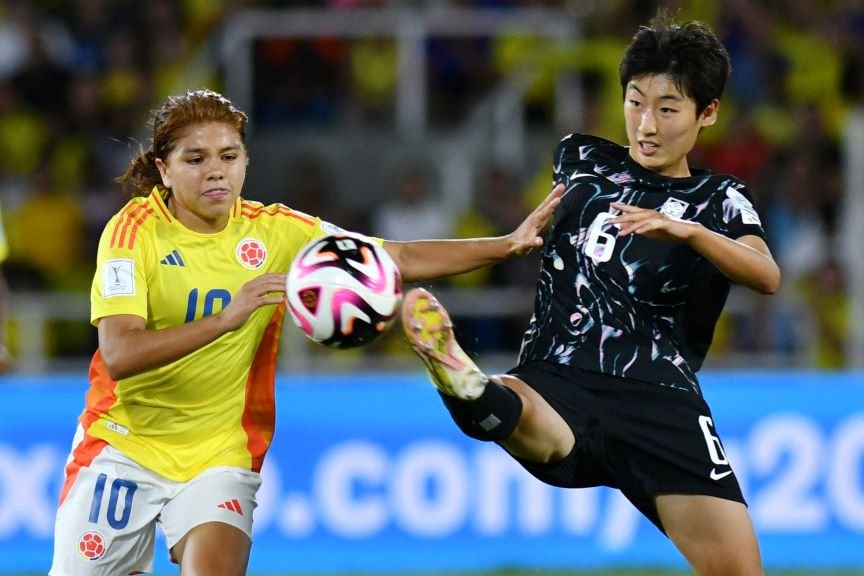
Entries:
{"x":259,"y":416}
{"x":130,"y":220}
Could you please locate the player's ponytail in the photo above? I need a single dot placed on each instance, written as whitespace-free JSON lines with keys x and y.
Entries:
{"x":141,"y":175}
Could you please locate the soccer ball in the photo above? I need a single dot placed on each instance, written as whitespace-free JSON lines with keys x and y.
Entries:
{"x":343,"y":290}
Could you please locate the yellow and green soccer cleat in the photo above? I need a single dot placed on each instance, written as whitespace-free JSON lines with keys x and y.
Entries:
{"x":430,"y":334}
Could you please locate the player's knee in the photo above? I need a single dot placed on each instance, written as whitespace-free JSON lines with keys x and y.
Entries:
{"x":491,"y":417}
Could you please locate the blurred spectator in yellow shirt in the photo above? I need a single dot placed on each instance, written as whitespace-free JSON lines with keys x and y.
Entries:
{"x":823,"y":293}
{"x":5,"y":357}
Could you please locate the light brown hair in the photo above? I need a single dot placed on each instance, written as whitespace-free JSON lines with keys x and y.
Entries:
{"x":178,"y":112}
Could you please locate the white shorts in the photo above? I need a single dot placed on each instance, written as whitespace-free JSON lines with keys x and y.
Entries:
{"x":106,"y":526}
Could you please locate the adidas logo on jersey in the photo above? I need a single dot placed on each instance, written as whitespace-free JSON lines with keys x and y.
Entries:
{"x":173,"y":259}
{"x":232,"y":505}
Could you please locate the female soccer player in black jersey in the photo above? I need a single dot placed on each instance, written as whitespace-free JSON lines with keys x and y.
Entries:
{"x":635,"y":272}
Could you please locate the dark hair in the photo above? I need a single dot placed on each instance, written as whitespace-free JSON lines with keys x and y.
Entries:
{"x":177,"y":113}
{"x":690,"y":53}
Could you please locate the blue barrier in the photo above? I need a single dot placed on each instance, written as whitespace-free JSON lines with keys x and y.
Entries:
{"x":368,"y":473}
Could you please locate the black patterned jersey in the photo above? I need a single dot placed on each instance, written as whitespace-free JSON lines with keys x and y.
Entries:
{"x":631,"y":306}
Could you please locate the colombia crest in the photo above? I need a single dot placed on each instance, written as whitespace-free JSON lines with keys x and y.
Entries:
{"x":251,"y":253}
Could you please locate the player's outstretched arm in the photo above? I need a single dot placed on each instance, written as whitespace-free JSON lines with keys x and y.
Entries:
{"x":421,"y":260}
{"x":128,"y":348}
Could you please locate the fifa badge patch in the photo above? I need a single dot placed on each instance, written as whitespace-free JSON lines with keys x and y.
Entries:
{"x":674,"y":208}
{"x":251,"y":253}
{"x":331,"y":228}
{"x":92,"y":546}
{"x":118,"y":278}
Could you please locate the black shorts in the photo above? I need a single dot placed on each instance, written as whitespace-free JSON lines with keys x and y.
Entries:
{"x":641,"y":438}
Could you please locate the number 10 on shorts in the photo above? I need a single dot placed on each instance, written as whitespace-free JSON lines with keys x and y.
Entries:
{"x":117,"y":486}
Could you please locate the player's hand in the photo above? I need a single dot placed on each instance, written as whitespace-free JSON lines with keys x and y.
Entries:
{"x":528,"y":235}
{"x":651,"y":224}
{"x":264,"y":290}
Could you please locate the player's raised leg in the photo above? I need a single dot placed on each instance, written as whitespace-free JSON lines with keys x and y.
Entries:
{"x":498,"y":408}
{"x":482,"y":409}
{"x":430,"y":334}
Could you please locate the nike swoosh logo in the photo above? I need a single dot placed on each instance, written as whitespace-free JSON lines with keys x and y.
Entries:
{"x":715,"y":476}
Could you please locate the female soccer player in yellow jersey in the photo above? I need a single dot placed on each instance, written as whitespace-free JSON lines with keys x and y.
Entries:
{"x":180,"y":410}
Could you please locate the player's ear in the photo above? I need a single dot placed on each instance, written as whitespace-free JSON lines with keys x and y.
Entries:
{"x":709,"y":115}
{"x":163,"y":172}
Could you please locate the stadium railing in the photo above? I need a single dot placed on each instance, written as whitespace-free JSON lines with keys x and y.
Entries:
{"x":33,"y":317}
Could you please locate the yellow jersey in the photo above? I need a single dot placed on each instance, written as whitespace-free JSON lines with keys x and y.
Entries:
{"x":215,"y":406}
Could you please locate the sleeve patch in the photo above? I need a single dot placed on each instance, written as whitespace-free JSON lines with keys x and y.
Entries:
{"x":118,"y":278}
{"x":331,"y":228}
{"x":739,"y":201}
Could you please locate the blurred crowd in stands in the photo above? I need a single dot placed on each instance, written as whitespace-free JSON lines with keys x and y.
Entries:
{"x":77,"y":80}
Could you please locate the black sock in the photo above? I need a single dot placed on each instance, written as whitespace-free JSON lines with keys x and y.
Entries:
{"x":491,"y":417}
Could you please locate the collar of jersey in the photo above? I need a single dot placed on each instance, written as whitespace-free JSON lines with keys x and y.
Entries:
{"x":656,"y":181}
{"x":161,"y":206}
